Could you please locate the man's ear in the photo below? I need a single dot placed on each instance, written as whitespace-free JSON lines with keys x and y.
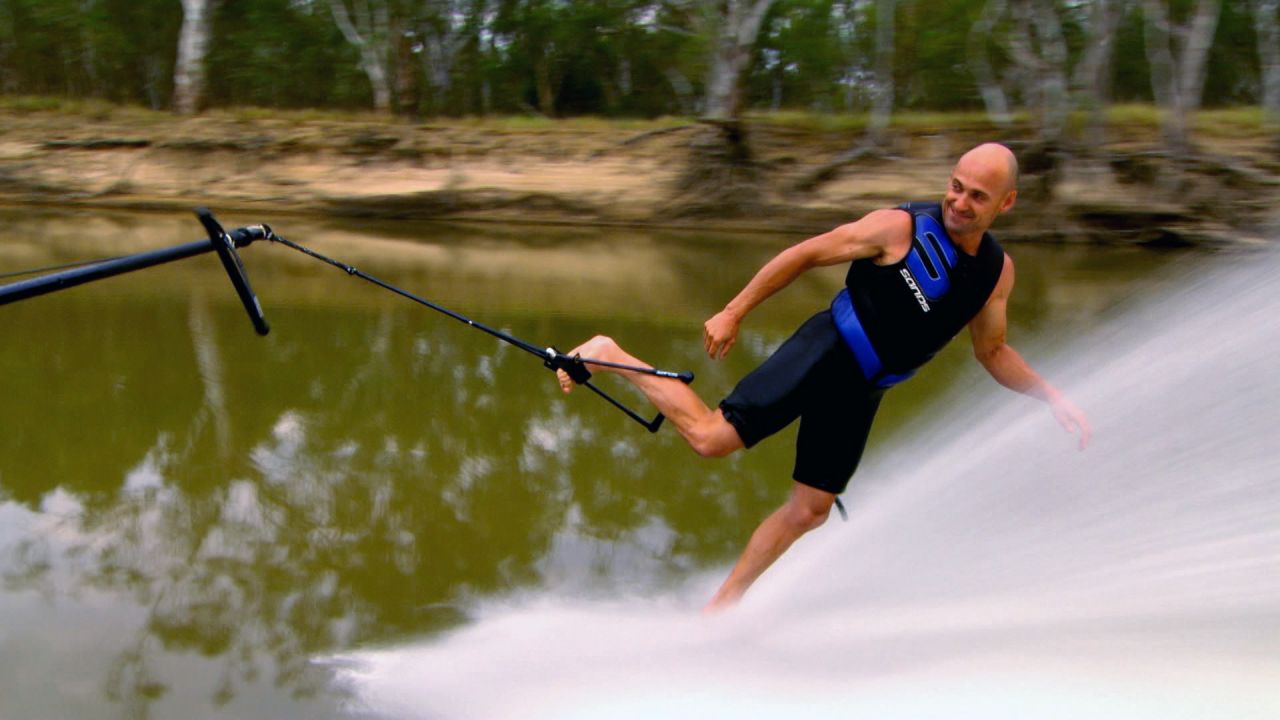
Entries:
{"x":1009,"y":199}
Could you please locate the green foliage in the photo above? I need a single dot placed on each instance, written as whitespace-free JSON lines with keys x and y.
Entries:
{"x":809,"y":56}
{"x":933,"y":35}
{"x":121,"y":50}
{"x":282,"y":53}
{"x":1131,"y":81}
{"x":558,"y":58}
{"x":1233,"y":73}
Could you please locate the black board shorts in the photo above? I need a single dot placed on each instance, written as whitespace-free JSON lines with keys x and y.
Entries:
{"x":812,"y":376}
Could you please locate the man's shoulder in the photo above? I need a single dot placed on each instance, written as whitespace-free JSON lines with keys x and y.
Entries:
{"x":881,"y":220}
{"x":920,"y":206}
{"x":889,"y":231}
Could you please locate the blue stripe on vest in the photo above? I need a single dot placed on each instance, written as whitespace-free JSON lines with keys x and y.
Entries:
{"x":850,"y":327}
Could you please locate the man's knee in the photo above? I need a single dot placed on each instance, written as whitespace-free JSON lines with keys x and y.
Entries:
{"x":714,"y":437}
{"x":808,"y":507}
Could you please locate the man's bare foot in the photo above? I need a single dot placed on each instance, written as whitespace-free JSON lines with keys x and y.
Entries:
{"x":721,"y":601}
{"x":599,"y":347}
{"x":716,"y":607}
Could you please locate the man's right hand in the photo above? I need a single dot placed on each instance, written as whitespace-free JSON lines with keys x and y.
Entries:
{"x":719,"y":334}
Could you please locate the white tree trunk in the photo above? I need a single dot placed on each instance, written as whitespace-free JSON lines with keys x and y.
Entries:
{"x":193,"y":45}
{"x":1177,"y":78}
{"x":1092,"y":77}
{"x":1164,"y":76}
{"x":444,"y":35}
{"x":1053,"y":78}
{"x":440,"y":53}
{"x":1265,"y":24}
{"x":1196,"y":42}
{"x":882,"y":106}
{"x":370,"y":32}
{"x":1043,"y":64}
{"x":740,"y":22}
{"x":993,"y":95}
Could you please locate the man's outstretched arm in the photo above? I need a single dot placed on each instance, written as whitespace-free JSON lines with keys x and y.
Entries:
{"x":1007,"y":366}
{"x":865,"y":238}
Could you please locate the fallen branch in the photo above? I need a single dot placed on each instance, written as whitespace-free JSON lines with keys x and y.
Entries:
{"x":825,"y":173}
{"x":640,"y":138}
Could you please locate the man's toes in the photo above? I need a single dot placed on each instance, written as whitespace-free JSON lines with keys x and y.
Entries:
{"x":566,"y":384}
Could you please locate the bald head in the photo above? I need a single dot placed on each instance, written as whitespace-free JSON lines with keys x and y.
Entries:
{"x":983,"y":186}
{"x":994,"y":162}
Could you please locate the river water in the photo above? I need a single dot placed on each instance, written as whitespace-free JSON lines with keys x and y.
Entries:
{"x":376,"y":510}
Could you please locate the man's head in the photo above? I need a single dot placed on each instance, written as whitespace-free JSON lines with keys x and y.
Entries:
{"x":983,"y":186}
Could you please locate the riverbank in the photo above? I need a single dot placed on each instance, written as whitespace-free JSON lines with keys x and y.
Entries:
{"x":617,"y":172}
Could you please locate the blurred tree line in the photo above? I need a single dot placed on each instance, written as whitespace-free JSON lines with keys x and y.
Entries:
{"x":645,"y":57}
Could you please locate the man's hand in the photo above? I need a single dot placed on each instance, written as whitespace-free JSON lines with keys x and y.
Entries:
{"x":1071,"y":418}
{"x":719,"y":334}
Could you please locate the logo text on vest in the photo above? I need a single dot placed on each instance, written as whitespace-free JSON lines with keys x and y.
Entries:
{"x":915,"y":289}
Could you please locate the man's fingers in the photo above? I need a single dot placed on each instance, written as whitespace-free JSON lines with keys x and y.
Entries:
{"x":1076,"y":422}
{"x":718,"y":335}
{"x":1086,"y":433}
{"x":724,"y":349}
{"x":716,"y":349}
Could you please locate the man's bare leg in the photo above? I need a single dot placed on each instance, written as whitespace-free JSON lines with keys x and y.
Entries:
{"x":711,"y":435}
{"x":807,"y":509}
{"x":706,"y":430}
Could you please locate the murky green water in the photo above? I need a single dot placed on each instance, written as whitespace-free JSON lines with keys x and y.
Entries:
{"x":189,"y":513}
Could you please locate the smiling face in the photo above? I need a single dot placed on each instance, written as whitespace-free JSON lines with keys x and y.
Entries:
{"x":981,"y":189}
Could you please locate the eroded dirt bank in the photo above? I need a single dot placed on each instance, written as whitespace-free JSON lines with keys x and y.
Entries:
{"x":600,"y":173}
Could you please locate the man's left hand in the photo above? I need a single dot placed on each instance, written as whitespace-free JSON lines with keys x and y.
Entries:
{"x":1071,"y":418}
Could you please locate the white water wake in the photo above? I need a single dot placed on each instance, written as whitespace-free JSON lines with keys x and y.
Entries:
{"x":995,"y":573}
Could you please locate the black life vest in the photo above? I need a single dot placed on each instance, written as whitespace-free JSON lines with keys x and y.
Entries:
{"x":896,"y":317}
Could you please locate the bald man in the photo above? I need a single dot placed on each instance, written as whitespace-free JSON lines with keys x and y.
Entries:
{"x":918,"y":274}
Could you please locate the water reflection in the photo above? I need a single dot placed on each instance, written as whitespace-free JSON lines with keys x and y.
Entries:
{"x":369,"y":470}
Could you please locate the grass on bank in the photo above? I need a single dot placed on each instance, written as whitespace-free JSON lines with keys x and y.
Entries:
{"x":1235,"y":122}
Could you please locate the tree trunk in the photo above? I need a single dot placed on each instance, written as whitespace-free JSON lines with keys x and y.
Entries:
{"x":1264,"y":13}
{"x":1197,"y":40}
{"x":1053,"y":79}
{"x":89,"y":55}
{"x":1164,"y":78}
{"x":193,"y":45}
{"x":740,"y":22}
{"x":993,"y":95}
{"x":721,"y":178}
{"x":1043,"y":65}
{"x":440,"y":53}
{"x":882,"y":106}
{"x":1092,"y":78}
{"x":1177,"y":80}
{"x":370,"y":33}
{"x":450,"y":26}
{"x":543,"y":85}
{"x":406,"y":75}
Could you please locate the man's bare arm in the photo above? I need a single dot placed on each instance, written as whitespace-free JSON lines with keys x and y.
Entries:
{"x":868,"y":237}
{"x":988,"y":330}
